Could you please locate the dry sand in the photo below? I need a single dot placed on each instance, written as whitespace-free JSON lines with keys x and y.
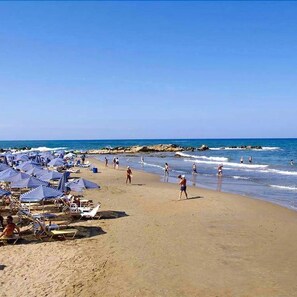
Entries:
{"x":215,"y":244}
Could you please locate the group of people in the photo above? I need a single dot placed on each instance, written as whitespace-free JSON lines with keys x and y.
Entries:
{"x":250,"y":160}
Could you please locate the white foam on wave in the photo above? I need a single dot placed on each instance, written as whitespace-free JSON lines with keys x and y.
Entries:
{"x":38,"y":149}
{"x":152,"y":165}
{"x":282,"y":172}
{"x":238,"y":165}
{"x":220,"y":159}
{"x":47,"y":149}
{"x":264,"y":148}
{"x":240,"y":177}
{"x":290,"y":188}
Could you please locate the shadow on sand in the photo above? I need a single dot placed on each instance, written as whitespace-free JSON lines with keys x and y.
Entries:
{"x":195,"y":197}
{"x":111,"y":214}
{"x":2,"y":267}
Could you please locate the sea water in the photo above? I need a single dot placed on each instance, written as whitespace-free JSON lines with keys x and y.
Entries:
{"x":270,"y":176}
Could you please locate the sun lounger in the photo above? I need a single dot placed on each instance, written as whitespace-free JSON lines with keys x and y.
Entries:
{"x":63,"y":233}
{"x":13,"y":239}
{"x":46,"y":231}
{"x":90,"y":214}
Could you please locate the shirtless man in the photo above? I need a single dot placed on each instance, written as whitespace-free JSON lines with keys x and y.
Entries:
{"x":183,"y":186}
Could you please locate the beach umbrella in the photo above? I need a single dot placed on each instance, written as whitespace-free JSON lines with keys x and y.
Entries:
{"x":63,"y":181}
{"x":56,"y":162}
{"x":17,"y":177}
{"x":4,"y":192}
{"x":7,"y":173}
{"x":3,"y":166}
{"x":30,"y":182}
{"x":36,"y":171}
{"x":27,"y":165}
{"x":81,"y":184}
{"x":69,"y":156}
{"x":22,"y":158}
{"x":40,"y":193}
{"x":51,"y":175}
{"x":5,"y":160}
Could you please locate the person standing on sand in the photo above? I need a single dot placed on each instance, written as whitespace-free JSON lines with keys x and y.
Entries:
{"x":166,"y":169}
{"x":106,"y":162}
{"x":183,"y":186}
{"x":117,"y":163}
{"x":129,"y":175}
{"x":114,"y":163}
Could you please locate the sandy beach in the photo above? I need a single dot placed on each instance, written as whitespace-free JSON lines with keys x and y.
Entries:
{"x":213,"y":244}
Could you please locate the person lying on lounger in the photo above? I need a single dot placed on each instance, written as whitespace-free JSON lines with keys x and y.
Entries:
{"x":8,"y":231}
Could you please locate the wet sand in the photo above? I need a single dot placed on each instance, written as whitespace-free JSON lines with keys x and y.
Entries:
{"x":213,"y":244}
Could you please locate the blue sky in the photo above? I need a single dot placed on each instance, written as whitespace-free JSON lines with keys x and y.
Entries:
{"x":103,"y":70}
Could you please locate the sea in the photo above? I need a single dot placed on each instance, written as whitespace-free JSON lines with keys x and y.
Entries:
{"x":272,"y":175}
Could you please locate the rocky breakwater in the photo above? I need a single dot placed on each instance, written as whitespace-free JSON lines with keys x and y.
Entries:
{"x":159,"y":148}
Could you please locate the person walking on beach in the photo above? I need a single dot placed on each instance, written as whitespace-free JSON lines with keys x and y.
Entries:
{"x":106,"y":162}
{"x":166,"y":169}
{"x":114,"y":163}
{"x":220,"y":170}
{"x":129,"y":175}
{"x":117,"y":163}
{"x":194,"y":169}
{"x":183,"y":186}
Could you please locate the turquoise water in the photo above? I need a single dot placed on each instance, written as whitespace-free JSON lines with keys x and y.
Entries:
{"x":270,"y":176}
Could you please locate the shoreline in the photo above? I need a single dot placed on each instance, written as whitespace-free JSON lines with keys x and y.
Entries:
{"x":215,"y":244}
{"x":189,"y":182}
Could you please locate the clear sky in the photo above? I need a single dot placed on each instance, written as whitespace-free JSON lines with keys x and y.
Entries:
{"x":103,"y":70}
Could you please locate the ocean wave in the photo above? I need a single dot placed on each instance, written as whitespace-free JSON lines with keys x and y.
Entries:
{"x":220,"y":159}
{"x":238,"y":165}
{"x":282,"y":172}
{"x":264,"y":148}
{"x":292,"y":188}
{"x":152,"y":165}
{"x":240,"y":177}
{"x":39,"y":149}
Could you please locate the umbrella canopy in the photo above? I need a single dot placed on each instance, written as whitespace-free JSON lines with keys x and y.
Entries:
{"x":3,"y":166}
{"x":40,"y":193}
{"x":36,"y":171}
{"x":7,"y":173}
{"x":17,"y":177}
{"x":22,"y":158}
{"x":4,"y":193}
{"x":51,"y":175}
{"x":81,"y":184}
{"x":27,"y":165}
{"x":69,"y":156}
{"x":56,"y":162}
{"x":30,"y":182}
